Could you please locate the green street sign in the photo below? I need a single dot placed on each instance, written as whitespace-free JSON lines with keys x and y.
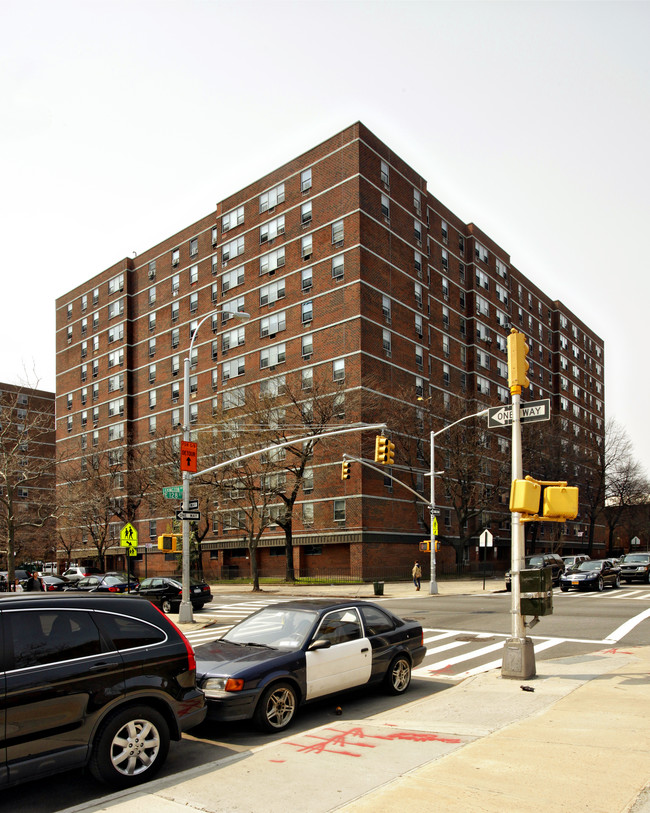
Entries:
{"x":173,"y":492}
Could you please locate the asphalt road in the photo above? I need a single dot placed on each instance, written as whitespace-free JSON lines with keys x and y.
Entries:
{"x":463,"y":633}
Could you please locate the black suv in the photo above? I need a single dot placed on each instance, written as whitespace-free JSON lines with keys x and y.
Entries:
{"x":103,"y":681}
{"x":552,"y":560}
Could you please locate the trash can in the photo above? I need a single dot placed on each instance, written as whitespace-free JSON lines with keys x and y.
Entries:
{"x":379,"y":588}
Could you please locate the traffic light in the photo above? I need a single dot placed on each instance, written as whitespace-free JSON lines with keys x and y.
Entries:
{"x":425,"y":546}
{"x":384,"y":450}
{"x":524,"y":496}
{"x":345,"y":470}
{"x":168,"y":543}
{"x":560,"y":502}
{"x":517,"y":364}
{"x":380,"y":449}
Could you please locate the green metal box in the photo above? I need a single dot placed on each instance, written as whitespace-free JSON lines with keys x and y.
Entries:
{"x":536,"y":588}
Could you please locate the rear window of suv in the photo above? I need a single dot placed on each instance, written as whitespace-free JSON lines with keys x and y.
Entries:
{"x":126,"y":632}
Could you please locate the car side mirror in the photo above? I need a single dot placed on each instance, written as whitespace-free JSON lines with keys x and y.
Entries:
{"x":319,"y":643}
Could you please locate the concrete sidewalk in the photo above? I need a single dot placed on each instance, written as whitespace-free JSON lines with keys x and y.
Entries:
{"x":579,"y":741}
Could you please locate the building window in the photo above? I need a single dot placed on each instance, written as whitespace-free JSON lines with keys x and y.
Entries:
{"x":386,"y":342}
{"x":338,"y":233}
{"x":272,"y":292}
{"x":305,"y":180}
{"x":306,"y":279}
{"x":385,"y":207}
{"x":417,"y":290}
{"x":194,"y":246}
{"x":271,"y":356}
{"x":175,"y":337}
{"x":270,"y":325}
{"x":305,"y":213}
{"x":306,"y":245}
{"x":270,"y":262}
{"x":194,"y":274}
{"x":307,"y":311}
{"x":307,"y":378}
{"x":307,"y":345}
{"x":384,"y":173}
{"x":152,"y":270}
{"x":338,"y":267}
{"x":338,"y":369}
{"x":386,"y":308}
{"x":417,"y":201}
{"x":307,"y":514}
{"x":233,"y":368}
{"x":269,"y":200}
{"x":194,"y":302}
{"x":176,"y":256}
{"x":270,"y":230}
{"x":152,"y":348}
{"x":231,"y":219}
{"x":339,"y":510}
{"x":232,"y":249}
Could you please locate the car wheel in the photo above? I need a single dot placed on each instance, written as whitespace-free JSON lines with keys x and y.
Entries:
{"x":647,"y":578}
{"x":277,"y":707}
{"x":398,"y":676}
{"x":617,"y":581}
{"x":131,"y":747}
{"x":166,"y":606}
{"x":564,"y":589}
{"x":601,"y":584}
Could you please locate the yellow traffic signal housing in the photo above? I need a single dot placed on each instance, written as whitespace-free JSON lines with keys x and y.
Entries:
{"x":345,"y":470}
{"x":425,"y":546}
{"x":524,"y":496}
{"x":560,"y":502}
{"x":390,"y":453}
{"x":168,"y":543}
{"x":437,"y":544}
{"x":517,"y":364}
{"x":380,"y":449}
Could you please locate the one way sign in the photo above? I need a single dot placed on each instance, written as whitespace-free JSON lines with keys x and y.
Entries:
{"x":188,"y":455}
{"x":528,"y":413}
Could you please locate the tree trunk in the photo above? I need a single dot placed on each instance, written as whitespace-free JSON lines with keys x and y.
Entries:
{"x":255,"y":576}
{"x":290,"y":572}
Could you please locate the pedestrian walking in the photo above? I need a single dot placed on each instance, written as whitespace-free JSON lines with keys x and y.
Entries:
{"x":417,"y":575}
{"x":17,"y":587}
{"x":33,"y":583}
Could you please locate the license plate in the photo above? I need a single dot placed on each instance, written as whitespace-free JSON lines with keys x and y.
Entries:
{"x":575,"y":584}
{"x":197,"y":590}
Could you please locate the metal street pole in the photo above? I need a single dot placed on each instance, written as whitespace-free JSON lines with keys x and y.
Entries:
{"x":519,"y":654}
{"x":185,"y":610}
{"x":433,"y":584}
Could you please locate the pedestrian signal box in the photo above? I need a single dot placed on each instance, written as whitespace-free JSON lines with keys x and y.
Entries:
{"x":560,"y":502}
{"x":524,"y":496}
{"x":425,"y":546}
{"x":168,"y":543}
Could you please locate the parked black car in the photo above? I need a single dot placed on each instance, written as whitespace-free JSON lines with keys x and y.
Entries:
{"x":592,"y":575}
{"x":100,"y":583}
{"x":552,"y":560}
{"x":90,"y":680}
{"x":53,"y":583}
{"x":290,"y":653}
{"x":166,"y":593}
{"x":635,"y":566}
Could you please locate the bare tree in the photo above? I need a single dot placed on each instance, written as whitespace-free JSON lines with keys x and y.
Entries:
{"x":627,"y":488}
{"x":26,"y":472}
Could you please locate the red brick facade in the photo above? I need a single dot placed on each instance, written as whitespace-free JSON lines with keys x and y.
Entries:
{"x":385,"y":255}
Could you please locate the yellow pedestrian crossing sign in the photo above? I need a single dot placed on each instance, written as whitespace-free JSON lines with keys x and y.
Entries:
{"x":133,"y":551}
{"x":434,"y":526}
{"x":128,"y":536}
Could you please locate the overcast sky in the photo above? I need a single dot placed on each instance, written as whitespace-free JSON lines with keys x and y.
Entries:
{"x":123,"y":122}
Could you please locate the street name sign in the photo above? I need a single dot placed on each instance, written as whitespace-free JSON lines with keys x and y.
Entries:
{"x":528,"y":413}
{"x":173,"y":492}
{"x":189,"y":515}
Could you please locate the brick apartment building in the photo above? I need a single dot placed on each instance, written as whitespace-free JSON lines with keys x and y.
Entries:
{"x":27,"y":475}
{"x":350,"y":270}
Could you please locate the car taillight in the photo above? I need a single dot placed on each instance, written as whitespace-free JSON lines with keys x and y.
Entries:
{"x":114,"y":590}
{"x":191,"y":660}
{"x":51,"y":586}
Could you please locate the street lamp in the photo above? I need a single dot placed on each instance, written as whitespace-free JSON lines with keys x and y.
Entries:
{"x":433,"y":584}
{"x":185,"y":609}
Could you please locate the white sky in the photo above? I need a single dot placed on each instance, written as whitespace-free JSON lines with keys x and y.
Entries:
{"x":123,"y":122}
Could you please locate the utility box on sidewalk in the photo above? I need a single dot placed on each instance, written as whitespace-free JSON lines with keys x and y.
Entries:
{"x":536,"y":588}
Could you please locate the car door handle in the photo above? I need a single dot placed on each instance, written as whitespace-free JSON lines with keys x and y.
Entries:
{"x":100,"y":667}
{"x":365,"y":649}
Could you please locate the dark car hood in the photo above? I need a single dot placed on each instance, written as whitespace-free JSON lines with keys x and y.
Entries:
{"x":224,"y":658}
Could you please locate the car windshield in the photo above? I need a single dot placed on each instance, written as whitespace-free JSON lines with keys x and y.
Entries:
{"x":640,"y":558}
{"x":534,"y":561}
{"x":275,"y":627}
{"x":590,"y":565}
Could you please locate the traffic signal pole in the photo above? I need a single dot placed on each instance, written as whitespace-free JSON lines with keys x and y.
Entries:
{"x":519,"y":654}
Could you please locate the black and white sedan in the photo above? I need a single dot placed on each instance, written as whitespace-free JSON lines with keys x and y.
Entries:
{"x":287,"y":654}
{"x":592,"y":575}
